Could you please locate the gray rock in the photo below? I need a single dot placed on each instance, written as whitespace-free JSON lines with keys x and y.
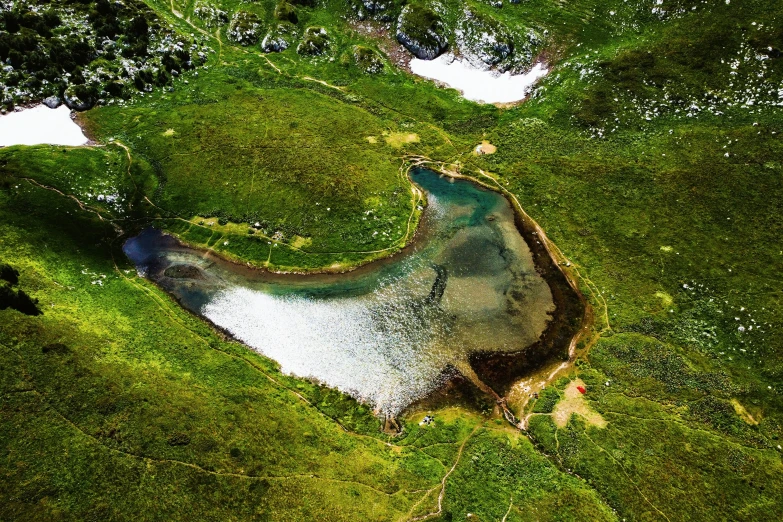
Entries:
{"x":274,"y":43}
{"x":52,"y":102}
{"x":420,"y":30}
{"x":484,"y":41}
{"x":78,"y":101}
{"x":314,"y":43}
{"x":244,"y":28}
{"x":277,"y":39}
{"x":368,"y":60}
{"x":380,"y":10}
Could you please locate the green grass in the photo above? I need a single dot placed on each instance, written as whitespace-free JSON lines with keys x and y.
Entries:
{"x":119,"y":405}
{"x":124,"y":387}
{"x":250,"y":154}
{"x":662,"y":443}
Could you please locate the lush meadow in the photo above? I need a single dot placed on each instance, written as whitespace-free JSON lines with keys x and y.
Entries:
{"x":651,"y":155}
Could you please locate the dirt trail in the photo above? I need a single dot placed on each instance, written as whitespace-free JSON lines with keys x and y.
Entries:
{"x":442,"y":484}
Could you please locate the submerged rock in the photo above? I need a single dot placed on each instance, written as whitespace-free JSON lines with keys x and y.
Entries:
{"x":421,"y":31}
{"x":183,"y":272}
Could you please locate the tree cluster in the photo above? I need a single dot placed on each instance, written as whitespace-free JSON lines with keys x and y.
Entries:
{"x":82,"y":48}
{"x":15,"y":299}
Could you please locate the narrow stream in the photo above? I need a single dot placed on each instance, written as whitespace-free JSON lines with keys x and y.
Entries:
{"x":392,"y":331}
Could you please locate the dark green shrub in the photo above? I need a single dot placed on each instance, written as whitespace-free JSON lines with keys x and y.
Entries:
{"x":9,"y":273}
{"x":547,"y":400}
{"x":17,"y":300}
{"x":179,"y":439}
{"x":286,"y":12}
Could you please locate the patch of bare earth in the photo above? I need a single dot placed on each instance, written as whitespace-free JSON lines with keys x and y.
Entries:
{"x":574,"y":402}
{"x":398,"y":139}
{"x":485,"y":147}
{"x":386,"y":42}
{"x":742,"y":412}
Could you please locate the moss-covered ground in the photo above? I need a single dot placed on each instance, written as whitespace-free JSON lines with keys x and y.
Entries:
{"x":652,"y":156}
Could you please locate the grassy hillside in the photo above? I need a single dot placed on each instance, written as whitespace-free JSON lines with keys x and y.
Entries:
{"x":118,"y":404}
{"x":651,"y":155}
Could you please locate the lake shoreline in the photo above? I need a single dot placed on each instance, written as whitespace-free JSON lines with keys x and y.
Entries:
{"x":497,"y":369}
{"x":570,"y":319}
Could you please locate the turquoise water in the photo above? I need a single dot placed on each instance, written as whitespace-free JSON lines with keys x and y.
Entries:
{"x":392,"y":331}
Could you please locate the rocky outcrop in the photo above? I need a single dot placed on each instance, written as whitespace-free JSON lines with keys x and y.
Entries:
{"x":79,"y":97}
{"x":285,"y":12}
{"x":244,"y":28}
{"x":278,"y":38}
{"x":380,"y":10}
{"x":52,"y":102}
{"x":483,"y":40}
{"x":367,"y":60}
{"x":314,"y":42}
{"x":421,"y":31}
{"x":210,"y":15}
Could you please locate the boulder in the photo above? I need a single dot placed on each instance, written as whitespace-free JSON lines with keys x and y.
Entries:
{"x":376,"y":9}
{"x":79,"y":97}
{"x":368,"y":60}
{"x":274,"y":43}
{"x":484,"y":41}
{"x":285,"y":12}
{"x":52,"y":102}
{"x":244,"y":28}
{"x":420,"y":30}
{"x":277,"y":39}
{"x":314,"y":42}
{"x":211,"y":15}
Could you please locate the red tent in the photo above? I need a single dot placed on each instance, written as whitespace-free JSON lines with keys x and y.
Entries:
{"x":581,"y":389}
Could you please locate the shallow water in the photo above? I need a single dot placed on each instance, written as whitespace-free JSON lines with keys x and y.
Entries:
{"x":392,"y":331}
{"x":478,"y":84}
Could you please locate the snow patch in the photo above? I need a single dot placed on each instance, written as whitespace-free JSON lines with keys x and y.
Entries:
{"x":40,"y":125}
{"x":476,"y":84}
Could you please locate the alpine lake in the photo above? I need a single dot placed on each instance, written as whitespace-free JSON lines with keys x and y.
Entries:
{"x":468,"y":298}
